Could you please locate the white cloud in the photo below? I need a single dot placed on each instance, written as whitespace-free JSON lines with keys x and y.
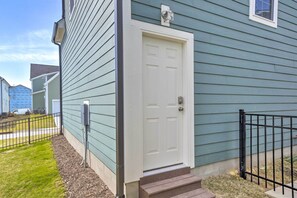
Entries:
{"x":40,"y":34}
{"x":51,"y":56}
{"x":34,"y":46}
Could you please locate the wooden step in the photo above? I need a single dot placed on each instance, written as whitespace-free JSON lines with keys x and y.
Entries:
{"x":198,"y":193}
{"x":164,"y":175}
{"x":170,"y":187}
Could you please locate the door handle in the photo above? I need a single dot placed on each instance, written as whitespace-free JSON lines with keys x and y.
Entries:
{"x":180,"y":100}
{"x":180,"y":109}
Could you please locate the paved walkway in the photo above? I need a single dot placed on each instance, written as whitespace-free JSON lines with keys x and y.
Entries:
{"x":35,"y":132}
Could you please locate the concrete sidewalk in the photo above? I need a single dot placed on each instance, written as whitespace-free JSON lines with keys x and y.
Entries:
{"x":278,"y":192}
{"x":44,"y":131}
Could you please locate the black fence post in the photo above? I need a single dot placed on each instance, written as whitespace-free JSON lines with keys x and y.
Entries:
{"x":29,"y":131}
{"x":242,"y":144}
{"x":60,"y":121}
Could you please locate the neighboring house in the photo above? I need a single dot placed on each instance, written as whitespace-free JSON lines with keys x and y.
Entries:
{"x":52,"y":94}
{"x":20,"y":97}
{"x":174,"y":97}
{"x":40,"y":74}
{"x":4,"y":96}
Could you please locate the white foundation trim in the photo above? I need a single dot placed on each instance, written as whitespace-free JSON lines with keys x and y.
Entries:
{"x":106,"y":175}
{"x":133,"y":114}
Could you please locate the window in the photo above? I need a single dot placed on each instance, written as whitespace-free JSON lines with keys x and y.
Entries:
{"x":71,"y":7}
{"x":264,"y":8}
{"x":264,"y":11}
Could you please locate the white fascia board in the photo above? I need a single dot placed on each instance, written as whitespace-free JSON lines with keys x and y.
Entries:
{"x":43,"y":75}
{"x":53,"y":78}
{"x":37,"y":92}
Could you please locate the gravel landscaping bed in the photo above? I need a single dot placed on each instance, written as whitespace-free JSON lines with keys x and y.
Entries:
{"x":79,"y":181}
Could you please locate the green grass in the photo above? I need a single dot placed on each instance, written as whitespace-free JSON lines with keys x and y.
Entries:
{"x":278,"y":172}
{"x":20,"y":141}
{"x":30,"y":171}
{"x":19,"y":117}
{"x":231,"y":185}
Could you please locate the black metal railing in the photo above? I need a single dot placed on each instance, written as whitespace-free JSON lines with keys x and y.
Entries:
{"x":28,"y":130}
{"x":267,"y":143}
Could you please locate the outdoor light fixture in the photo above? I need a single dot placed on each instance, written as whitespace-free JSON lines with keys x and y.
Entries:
{"x":58,"y":32}
{"x":167,"y":15}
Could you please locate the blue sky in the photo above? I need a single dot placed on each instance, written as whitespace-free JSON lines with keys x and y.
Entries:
{"x":25,"y":37}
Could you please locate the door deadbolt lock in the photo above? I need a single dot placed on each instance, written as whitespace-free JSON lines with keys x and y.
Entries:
{"x":180,"y":109}
{"x":180,"y":100}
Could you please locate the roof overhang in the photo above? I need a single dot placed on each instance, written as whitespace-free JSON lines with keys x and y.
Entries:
{"x":58,"y":32}
{"x":3,"y":79}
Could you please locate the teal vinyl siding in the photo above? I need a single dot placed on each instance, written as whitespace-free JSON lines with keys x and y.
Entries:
{"x":88,"y":73}
{"x":239,"y":64}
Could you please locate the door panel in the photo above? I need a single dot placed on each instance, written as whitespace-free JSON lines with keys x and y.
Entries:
{"x":162,"y":85}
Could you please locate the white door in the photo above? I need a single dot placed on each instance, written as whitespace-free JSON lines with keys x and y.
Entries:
{"x":55,"y":106}
{"x":162,"y":85}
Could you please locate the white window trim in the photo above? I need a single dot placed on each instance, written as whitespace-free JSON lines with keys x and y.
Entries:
{"x":259,"y":19}
{"x":71,"y":12}
{"x":133,"y":34}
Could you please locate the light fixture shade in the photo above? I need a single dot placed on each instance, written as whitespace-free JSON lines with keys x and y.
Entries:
{"x":58,"y":31}
{"x":167,"y":15}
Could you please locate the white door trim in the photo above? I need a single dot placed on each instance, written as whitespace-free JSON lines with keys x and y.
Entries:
{"x":133,"y":108}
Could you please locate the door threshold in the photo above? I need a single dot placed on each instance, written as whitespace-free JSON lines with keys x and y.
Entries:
{"x":162,"y":170}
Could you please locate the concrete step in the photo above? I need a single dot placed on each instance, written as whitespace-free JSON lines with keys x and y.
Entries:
{"x":198,"y":193}
{"x":170,"y":187}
